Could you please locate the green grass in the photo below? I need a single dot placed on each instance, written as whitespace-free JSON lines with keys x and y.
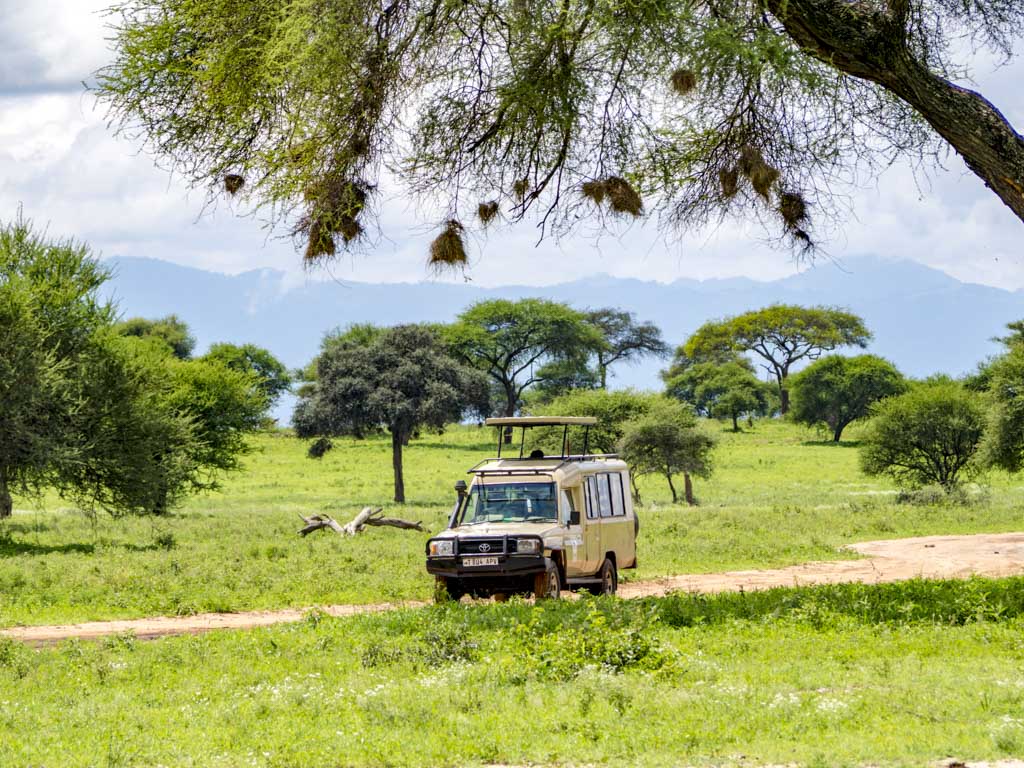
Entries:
{"x":851,"y":675}
{"x":778,"y":496}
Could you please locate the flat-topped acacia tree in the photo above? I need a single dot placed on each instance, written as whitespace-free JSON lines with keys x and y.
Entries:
{"x":781,"y":335}
{"x":689,"y":109}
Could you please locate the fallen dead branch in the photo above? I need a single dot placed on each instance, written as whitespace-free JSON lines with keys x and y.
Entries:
{"x":357,"y":524}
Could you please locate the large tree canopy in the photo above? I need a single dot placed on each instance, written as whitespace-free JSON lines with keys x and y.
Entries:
{"x":782,"y":335}
{"x":399,"y":379}
{"x":692,"y":109}
{"x":511,"y":341}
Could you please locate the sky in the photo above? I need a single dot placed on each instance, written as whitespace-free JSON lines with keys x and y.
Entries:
{"x":64,"y":167}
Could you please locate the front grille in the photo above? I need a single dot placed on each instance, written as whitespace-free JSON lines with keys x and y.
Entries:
{"x":493,"y":545}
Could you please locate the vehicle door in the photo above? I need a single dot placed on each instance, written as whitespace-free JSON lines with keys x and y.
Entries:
{"x":571,"y":501}
{"x":597,"y":500}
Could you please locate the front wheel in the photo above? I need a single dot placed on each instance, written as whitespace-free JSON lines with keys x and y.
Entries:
{"x":548,"y":585}
{"x":447,"y":590}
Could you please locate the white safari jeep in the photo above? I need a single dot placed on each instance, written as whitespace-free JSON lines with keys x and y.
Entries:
{"x":538,"y":523}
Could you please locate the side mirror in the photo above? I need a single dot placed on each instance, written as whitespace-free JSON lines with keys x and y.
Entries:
{"x":574,"y":517}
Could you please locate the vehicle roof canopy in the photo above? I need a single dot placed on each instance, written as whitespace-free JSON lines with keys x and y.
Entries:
{"x":541,"y":421}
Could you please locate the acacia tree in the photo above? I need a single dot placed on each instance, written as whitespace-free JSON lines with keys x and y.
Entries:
{"x":692,"y":109}
{"x":511,"y":341}
{"x":782,"y":335}
{"x":626,"y":339}
{"x":728,"y":390}
{"x":667,"y":441}
{"x":837,"y":390}
{"x":401,"y":381}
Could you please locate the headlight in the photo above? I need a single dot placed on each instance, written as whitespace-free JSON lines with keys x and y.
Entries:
{"x":442,"y":548}
{"x":527,"y":546}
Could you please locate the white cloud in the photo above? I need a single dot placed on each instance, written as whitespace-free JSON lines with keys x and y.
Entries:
{"x":59,"y":160}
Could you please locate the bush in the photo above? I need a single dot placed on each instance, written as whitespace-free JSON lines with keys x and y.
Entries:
{"x":929,"y":435}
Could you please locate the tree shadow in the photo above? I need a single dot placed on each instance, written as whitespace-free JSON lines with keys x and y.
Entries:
{"x":830,"y":443}
{"x":11,"y":548}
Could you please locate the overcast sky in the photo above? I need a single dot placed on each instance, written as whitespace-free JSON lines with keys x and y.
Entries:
{"x":61,"y":163}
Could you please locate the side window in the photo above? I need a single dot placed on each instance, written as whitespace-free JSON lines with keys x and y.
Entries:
{"x":590,"y":490}
{"x":604,"y":493}
{"x":618,"y":498}
{"x":568,"y":505}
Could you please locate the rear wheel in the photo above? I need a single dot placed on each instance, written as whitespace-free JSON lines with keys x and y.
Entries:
{"x":547,"y":585}
{"x":446,"y":590}
{"x":609,"y":576}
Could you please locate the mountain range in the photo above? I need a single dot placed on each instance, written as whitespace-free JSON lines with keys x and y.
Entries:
{"x":923,"y":320}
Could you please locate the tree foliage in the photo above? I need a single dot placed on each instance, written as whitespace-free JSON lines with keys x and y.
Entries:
{"x":689,"y":109}
{"x":271,"y":375}
{"x":171,"y":330}
{"x":667,"y":441}
{"x":626,"y":339}
{"x":401,"y":381}
{"x":781,"y":335}
{"x":835,"y":391}
{"x":512,"y":341}
{"x":928,"y":435}
{"x":108,"y":420}
{"x":727,"y":390}
{"x":1003,"y":380}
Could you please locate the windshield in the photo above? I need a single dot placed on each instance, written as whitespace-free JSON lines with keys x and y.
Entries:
{"x":511,"y":502}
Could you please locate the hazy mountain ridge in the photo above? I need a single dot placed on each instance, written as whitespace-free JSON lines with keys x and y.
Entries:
{"x":924,"y":320}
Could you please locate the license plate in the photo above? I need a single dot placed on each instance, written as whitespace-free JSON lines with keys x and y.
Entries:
{"x":471,"y":561}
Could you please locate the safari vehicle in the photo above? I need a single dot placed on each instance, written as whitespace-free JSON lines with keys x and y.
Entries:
{"x":538,"y":523}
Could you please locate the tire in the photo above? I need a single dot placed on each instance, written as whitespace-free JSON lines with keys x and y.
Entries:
{"x":447,"y":590}
{"x":609,"y":575}
{"x":636,"y":523}
{"x":548,"y":585}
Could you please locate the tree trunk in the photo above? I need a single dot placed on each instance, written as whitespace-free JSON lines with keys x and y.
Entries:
{"x":6,"y":502}
{"x":510,"y":410}
{"x":396,"y":465}
{"x":872,"y":46}
{"x":688,"y":489}
{"x":783,"y":399}
{"x":675,"y":496}
{"x":735,"y":423}
{"x":636,"y":489}
{"x":836,"y":434}
{"x":604,"y":374}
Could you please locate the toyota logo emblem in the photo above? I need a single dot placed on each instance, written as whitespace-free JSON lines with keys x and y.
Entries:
{"x":485,"y":547}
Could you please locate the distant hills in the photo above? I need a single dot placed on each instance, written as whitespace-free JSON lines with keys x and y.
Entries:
{"x":924,"y":320}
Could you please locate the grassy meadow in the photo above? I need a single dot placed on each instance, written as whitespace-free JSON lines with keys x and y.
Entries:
{"x":779,"y":495}
{"x":851,"y":675}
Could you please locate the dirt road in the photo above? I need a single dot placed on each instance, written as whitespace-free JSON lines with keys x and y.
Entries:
{"x":929,"y":556}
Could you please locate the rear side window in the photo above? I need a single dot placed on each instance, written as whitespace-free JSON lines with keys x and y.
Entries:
{"x":618,"y":495}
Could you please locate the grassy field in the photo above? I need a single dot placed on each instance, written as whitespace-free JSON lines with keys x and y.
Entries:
{"x":900,"y":674}
{"x":779,"y":496}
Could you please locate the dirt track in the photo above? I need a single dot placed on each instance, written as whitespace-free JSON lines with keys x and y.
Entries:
{"x":894,"y":560}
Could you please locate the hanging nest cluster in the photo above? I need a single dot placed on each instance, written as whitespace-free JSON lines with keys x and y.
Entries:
{"x":795,"y":216}
{"x":334,"y":209}
{"x":233,"y":183}
{"x":620,"y":195}
{"x":486,"y":212}
{"x":751,"y":166}
{"x":520,"y":188}
{"x":319,"y":447}
{"x":684,"y":81}
{"x":448,"y":251}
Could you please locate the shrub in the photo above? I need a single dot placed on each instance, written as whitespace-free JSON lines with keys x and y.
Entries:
{"x":929,"y":435}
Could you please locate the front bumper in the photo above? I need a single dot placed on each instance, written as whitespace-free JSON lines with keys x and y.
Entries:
{"x":509,"y":564}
